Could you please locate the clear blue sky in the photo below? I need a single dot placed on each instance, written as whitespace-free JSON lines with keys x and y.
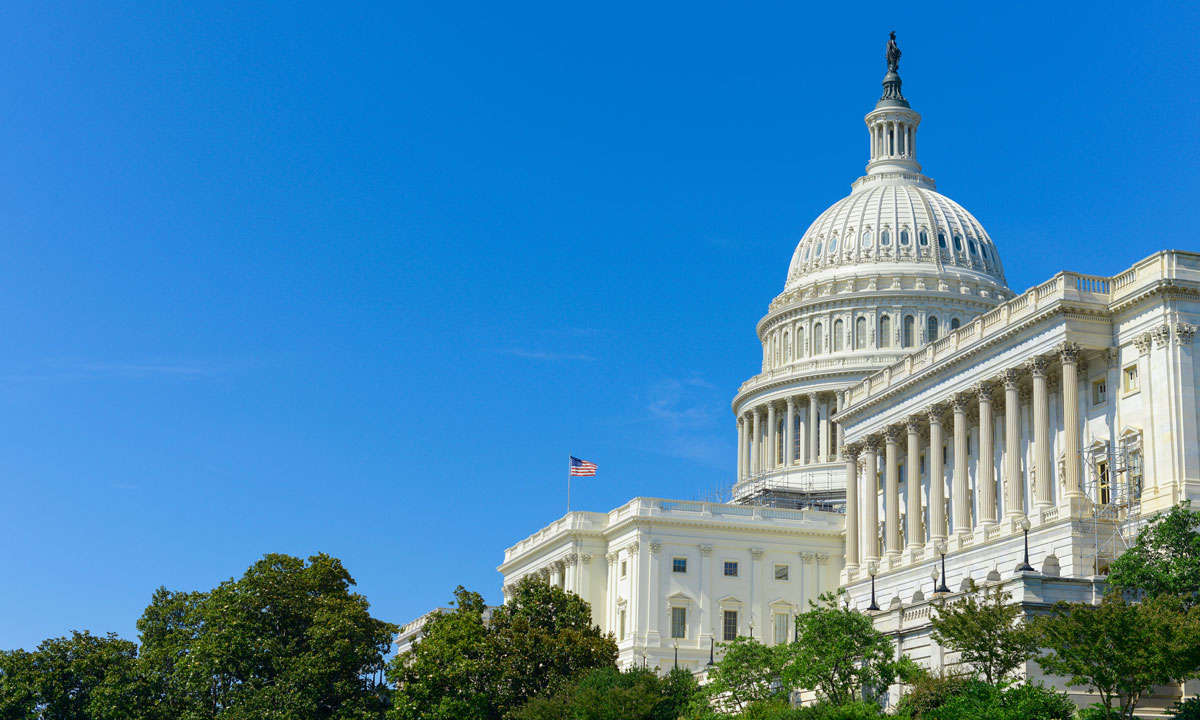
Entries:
{"x":355,"y":279}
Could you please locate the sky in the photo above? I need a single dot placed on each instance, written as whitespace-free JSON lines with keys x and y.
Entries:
{"x":356,"y":278}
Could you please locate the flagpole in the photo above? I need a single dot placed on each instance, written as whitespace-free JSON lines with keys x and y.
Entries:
{"x":568,"y":483}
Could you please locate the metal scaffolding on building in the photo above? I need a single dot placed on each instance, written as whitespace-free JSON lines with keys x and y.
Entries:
{"x":1113,"y":488}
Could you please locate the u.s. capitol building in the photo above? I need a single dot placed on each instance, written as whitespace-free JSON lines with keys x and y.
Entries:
{"x":910,"y":410}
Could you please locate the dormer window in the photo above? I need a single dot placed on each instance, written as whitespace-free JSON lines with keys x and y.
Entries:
{"x":885,"y":238}
{"x":866,"y":239}
{"x":971,"y":246}
{"x":833,"y":244}
{"x":923,"y":238}
{"x":904,"y":238}
{"x":941,"y":239}
{"x":958,"y":243}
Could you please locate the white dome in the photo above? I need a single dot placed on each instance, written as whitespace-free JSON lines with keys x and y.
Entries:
{"x":894,"y":219}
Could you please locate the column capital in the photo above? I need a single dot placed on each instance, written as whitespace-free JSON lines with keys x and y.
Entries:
{"x":1142,"y":342}
{"x":1162,"y":334}
{"x":791,"y":402}
{"x":1037,"y":365}
{"x":806,"y":557}
{"x":571,"y":558}
{"x":633,"y":547}
{"x":891,"y":434}
{"x":913,"y":425}
{"x":611,"y":557}
{"x":1010,"y":377}
{"x":982,"y":391}
{"x":822,"y":558}
{"x":756,"y":553}
{"x":655,"y":547}
{"x":1184,"y":333}
{"x":934,"y":414}
{"x":1068,"y":353}
{"x":850,"y":452}
{"x":585,"y":558}
{"x":870,"y":444}
{"x":960,"y":402}
{"x":706,"y":550}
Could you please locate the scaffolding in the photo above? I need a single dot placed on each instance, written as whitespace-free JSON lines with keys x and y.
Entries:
{"x":772,"y":489}
{"x":1113,"y":488}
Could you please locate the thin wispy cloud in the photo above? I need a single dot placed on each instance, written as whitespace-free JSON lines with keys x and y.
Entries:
{"x":686,"y":413}
{"x":544,"y":355}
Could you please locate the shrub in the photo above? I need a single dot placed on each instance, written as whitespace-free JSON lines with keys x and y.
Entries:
{"x":980,"y":701}
{"x":929,"y":691}
{"x":1097,"y":711}
{"x":1187,"y":710}
{"x":853,"y":710}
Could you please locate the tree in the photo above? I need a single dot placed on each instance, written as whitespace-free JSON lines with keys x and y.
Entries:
{"x":748,"y":673}
{"x":1165,"y":560}
{"x":81,"y":677}
{"x":1122,"y":649}
{"x":838,"y":651}
{"x":988,"y":632}
{"x":979,"y":700}
{"x":288,"y":640}
{"x":610,"y":694}
{"x":534,"y":646}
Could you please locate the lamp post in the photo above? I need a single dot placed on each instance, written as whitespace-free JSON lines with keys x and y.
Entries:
{"x":712,"y":646}
{"x":872,"y":569}
{"x":644,"y":661}
{"x":676,"y":654}
{"x":1025,"y":566}
{"x":933,"y":575}
{"x":940,"y":548}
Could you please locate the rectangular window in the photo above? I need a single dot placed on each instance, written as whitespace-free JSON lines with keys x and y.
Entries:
{"x":678,"y":622}
{"x":679,"y":565}
{"x":1130,"y":378}
{"x":781,"y":572}
{"x":730,"y":568}
{"x":621,"y":634}
{"x":730,"y":625}
{"x":1135,"y":472}
{"x":1103,"y":482}
{"x":781,"y":628}
{"x":623,"y":568}
{"x":1099,"y":391}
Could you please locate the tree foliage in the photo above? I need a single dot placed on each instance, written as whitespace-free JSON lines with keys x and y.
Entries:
{"x":610,"y":694}
{"x":81,"y":677}
{"x":1165,"y":560}
{"x":287,"y":640}
{"x":977,"y":700}
{"x":987,"y":630}
{"x":534,"y":646}
{"x":1119,"y":649}
{"x":748,"y":673}
{"x":838,"y":652}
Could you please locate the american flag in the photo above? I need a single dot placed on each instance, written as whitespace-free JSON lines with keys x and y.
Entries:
{"x":582,"y":467}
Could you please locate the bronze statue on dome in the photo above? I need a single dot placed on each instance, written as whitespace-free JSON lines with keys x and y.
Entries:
{"x":893,"y":53}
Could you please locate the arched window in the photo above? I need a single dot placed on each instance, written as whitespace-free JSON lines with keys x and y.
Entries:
{"x":780,"y":429}
{"x":931,"y":329}
{"x":971,"y":246}
{"x":866,"y":239}
{"x":838,"y":333}
{"x":818,"y":340}
{"x":904,"y":238}
{"x":923,"y":238}
{"x":954,"y":324}
{"x":807,"y":250}
{"x":958,"y":243}
{"x":799,"y":342}
{"x":906,"y":338}
{"x":817,"y":253}
{"x":787,"y":346}
{"x":833,"y":244}
{"x":860,"y":333}
{"x":885,"y":332}
{"x":885,"y":237}
{"x":941,"y":239}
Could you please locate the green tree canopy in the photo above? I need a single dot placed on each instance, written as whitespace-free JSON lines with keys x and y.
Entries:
{"x":838,"y":651}
{"x":1165,"y":560}
{"x":534,"y":646}
{"x":287,"y":640}
{"x":987,"y":630}
{"x":1122,"y":649}
{"x":610,"y":694}
{"x":748,"y":673}
{"x":81,"y":677}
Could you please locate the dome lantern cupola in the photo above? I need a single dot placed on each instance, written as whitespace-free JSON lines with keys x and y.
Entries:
{"x":893,"y":124}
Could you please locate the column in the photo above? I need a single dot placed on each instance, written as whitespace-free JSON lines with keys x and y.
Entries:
{"x":741,"y":453}
{"x":707,"y":622}
{"x":839,"y":399}
{"x":825,"y":451}
{"x":789,"y":434}
{"x":870,"y":501}
{"x":654,"y":600}
{"x":1069,"y":352}
{"x":851,"y":456}
{"x":985,"y":470}
{"x":755,"y":441}
{"x":772,"y":437}
{"x":937,"y":477}
{"x":1043,"y":480}
{"x":1014,"y":502}
{"x":891,"y":501}
{"x":961,"y":490}
{"x":812,"y":428}
{"x":916,"y":535}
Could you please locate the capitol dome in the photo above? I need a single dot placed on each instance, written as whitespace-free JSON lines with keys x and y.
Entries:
{"x":894,"y":221}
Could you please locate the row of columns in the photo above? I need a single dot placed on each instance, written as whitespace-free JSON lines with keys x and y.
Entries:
{"x":759,"y":447}
{"x":861,"y":540}
{"x":893,"y":138}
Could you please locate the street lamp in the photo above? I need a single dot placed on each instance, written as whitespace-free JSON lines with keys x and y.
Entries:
{"x":940,"y":549}
{"x":1025,"y":566}
{"x":712,"y":645}
{"x":933,"y":575}
{"x":872,"y":568}
{"x":676,"y":654}
{"x":644,"y":661}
